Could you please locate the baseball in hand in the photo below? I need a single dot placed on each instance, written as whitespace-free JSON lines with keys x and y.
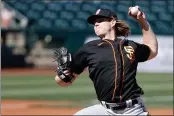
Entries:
{"x":134,"y":10}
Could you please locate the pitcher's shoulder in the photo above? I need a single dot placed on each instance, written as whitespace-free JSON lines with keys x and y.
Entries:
{"x":93,"y":42}
{"x":130,"y":43}
{"x":85,"y":47}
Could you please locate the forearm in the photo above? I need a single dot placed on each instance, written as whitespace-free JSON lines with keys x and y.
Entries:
{"x":149,"y":38}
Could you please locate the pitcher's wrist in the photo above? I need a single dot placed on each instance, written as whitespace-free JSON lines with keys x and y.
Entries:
{"x":144,"y":25}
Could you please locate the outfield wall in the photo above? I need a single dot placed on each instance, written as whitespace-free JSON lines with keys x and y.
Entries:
{"x":164,"y":60}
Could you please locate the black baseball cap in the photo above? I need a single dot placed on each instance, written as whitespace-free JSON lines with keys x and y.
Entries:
{"x":101,"y":13}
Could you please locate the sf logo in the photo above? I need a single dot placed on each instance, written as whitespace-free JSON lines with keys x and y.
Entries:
{"x":130,"y":53}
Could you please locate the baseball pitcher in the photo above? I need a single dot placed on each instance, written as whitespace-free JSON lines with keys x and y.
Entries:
{"x":112,"y":63}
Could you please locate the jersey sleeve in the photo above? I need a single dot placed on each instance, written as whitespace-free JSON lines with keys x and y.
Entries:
{"x":142,"y":52}
{"x":79,"y":61}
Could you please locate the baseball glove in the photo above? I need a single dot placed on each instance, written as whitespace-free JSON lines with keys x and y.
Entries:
{"x":63,"y":59}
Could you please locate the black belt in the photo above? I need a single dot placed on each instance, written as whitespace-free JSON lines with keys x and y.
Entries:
{"x":119,"y":106}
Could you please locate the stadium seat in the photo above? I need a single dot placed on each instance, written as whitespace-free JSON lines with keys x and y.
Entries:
{"x":97,"y":3}
{"x":144,"y":5}
{"x":158,"y":9}
{"x":162,"y":26}
{"x":50,"y":15}
{"x":26,"y":1}
{"x":54,"y":6}
{"x":89,"y":8}
{"x":45,"y":23}
{"x":82,"y":15}
{"x":61,"y":2}
{"x":145,"y":9}
{"x":107,"y":6}
{"x":78,"y":24}
{"x":165,"y":17}
{"x":120,"y":16}
{"x":159,"y":3}
{"x":66,"y":15}
{"x":61,"y":24}
{"x":170,"y":9}
{"x":37,"y":6}
{"x":151,"y":16}
{"x":33,"y":14}
{"x":159,"y":6}
{"x":131,"y":23}
{"x":11,"y":2}
{"x":72,"y":7}
{"x":170,"y":6}
{"x":122,"y":8}
{"x":126,"y":2}
{"x":134,"y":26}
{"x":21,"y":7}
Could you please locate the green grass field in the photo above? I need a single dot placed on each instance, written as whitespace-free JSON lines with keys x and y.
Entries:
{"x":158,"y":89}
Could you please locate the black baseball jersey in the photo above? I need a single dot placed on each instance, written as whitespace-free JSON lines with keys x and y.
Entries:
{"x":112,"y":67}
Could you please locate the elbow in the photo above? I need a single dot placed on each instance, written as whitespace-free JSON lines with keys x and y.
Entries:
{"x":153,"y":55}
{"x":155,"y":52}
{"x":61,"y":82}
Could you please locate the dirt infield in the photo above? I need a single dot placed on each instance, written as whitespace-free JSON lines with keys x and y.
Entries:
{"x":27,"y":71}
{"x":33,"y":107}
{"x":20,"y":107}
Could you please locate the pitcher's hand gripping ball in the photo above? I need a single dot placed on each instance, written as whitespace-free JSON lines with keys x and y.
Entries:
{"x":134,"y":10}
{"x":64,"y":60}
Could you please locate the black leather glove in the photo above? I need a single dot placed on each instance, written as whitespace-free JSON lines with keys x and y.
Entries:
{"x":64,"y":60}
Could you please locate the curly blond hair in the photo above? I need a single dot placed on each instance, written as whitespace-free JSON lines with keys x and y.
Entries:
{"x":122,"y":28}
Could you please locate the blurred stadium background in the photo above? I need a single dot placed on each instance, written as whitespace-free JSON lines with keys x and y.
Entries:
{"x":31,"y":29}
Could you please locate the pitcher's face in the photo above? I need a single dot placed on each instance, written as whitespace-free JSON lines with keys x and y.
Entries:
{"x":102,"y":26}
